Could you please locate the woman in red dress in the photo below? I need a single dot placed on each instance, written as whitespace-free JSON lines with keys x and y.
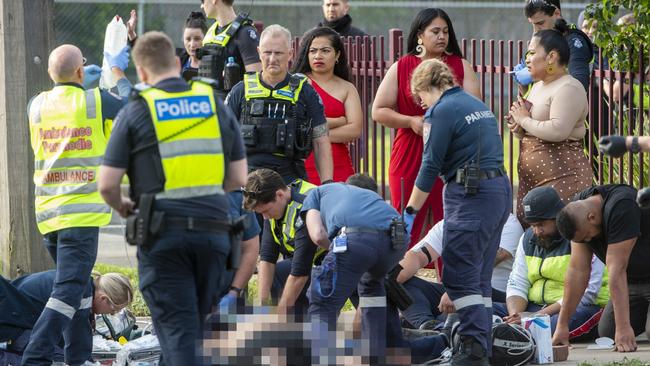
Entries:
{"x":431,"y":36}
{"x":322,"y":58}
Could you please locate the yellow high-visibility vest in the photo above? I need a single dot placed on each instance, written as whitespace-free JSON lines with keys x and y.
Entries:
{"x":253,"y":89}
{"x":189,"y":141}
{"x":68,"y":139}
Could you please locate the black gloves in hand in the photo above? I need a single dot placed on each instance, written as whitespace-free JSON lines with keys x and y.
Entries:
{"x":613,"y":145}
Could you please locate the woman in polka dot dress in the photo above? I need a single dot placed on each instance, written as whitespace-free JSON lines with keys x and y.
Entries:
{"x":551,"y":123}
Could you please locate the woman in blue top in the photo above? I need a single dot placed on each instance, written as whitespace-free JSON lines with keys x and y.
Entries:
{"x":23,"y":299}
{"x":462,"y":144}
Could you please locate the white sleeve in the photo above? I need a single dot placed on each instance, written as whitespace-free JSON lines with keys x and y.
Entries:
{"x":433,"y":239}
{"x":595,"y":282}
{"x":518,"y":284}
{"x":511,"y":234}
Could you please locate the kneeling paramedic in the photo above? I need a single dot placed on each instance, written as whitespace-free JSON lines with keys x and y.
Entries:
{"x":366,"y":238}
{"x":284,"y":233}
{"x":182,"y":150}
{"x":464,"y":146}
{"x":281,"y":114}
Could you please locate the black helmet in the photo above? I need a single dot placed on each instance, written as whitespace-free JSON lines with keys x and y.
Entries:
{"x":512,"y":345}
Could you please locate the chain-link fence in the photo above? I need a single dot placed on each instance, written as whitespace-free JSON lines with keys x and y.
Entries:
{"x":83,"y":22}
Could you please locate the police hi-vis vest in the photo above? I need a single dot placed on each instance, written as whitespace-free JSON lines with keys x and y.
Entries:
{"x":291,"y":216}
{"x":254,"y":89}
{"x":269,"y":120}
{"x":67,"y":136}
{"x":189,"y":141}
{"x":222,"y":38}
{"x":547,"y":272}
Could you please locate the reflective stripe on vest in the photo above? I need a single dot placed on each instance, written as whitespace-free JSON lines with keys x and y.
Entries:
{"x":221,"y":39}
{"x":189,"y":141}
{"x":291,"y":214}
{"x":253,"y":89}
{"x":68,"y":139}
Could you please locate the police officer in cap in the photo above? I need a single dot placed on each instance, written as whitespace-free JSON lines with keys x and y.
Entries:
{"x":281,"y":114}
{"x":231,"y":36}
{"x":284,"y":233}
{"x":180,"y":145}
{"x":462,"y":144}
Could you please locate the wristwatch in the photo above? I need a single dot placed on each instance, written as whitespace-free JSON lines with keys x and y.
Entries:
{"x":634,"y":146}
{"x":410,"y":210}
{"x":236,"y":289}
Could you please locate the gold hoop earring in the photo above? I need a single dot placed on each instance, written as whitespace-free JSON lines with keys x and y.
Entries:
{"x":550,"y":69}
{"x":421,"y":51}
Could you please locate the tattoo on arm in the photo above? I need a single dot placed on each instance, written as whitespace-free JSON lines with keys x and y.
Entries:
{"x":320,"y":130}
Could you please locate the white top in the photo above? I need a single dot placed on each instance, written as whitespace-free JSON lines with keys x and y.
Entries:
{"x":510,"y":235}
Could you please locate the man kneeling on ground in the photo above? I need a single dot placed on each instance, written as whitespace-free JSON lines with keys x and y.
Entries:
{"x":537,"y":281}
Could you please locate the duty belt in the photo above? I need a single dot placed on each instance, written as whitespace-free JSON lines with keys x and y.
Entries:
{"x":196,"y":224}
{"x":485,"y":174}
{"x":350,"y":230}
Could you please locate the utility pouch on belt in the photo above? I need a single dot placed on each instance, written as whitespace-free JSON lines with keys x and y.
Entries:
{"x":398,"y":234}
{"x":236,"y":231}
{"x":144,"y":225}
{"x":395,"y":291}
{"x":470,"y":177}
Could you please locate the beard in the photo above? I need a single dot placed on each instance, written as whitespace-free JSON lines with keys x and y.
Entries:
{"x":549,"y":242}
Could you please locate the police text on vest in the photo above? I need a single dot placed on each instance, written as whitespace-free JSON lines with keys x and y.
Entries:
{"x":183,"y":108}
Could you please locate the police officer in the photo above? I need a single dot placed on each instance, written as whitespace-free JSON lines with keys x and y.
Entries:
{"x":355,"y":224}
{"x":284,"y":233}
{"x":465,"y":148}
{"x":231,"y":35}
{"x":67,"y":130}
{"x":281,"y":114}
{"x":177,"y":142}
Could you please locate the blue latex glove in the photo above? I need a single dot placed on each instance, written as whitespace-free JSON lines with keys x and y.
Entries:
{"x":408,"y":220}
{"x":119,"y":60}
{"x":522,"y":74}
{"x":91,"y":74}
{"x":228,"y":301}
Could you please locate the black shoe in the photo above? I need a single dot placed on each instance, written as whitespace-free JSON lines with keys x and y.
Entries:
{"x":405,"y":323}
{"x":469,"y":353}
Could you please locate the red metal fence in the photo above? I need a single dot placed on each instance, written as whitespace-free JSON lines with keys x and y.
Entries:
{"x":625,"y":112}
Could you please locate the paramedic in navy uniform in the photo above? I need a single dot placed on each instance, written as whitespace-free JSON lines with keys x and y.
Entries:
{"x":461,"y":132}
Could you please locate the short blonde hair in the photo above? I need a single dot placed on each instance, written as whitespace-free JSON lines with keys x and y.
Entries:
{"x":276,"y":30}
{"x":431,"y":74}
{"x":116,"y":286}
{"x":155,"y":52}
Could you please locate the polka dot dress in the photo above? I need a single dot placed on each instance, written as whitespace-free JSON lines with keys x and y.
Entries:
{"x":562,"y":165}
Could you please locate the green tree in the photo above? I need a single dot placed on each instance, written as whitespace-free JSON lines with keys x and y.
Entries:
{"x":617,"y":40}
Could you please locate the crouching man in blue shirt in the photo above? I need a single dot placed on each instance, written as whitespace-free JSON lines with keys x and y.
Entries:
{"x":355,"y":224}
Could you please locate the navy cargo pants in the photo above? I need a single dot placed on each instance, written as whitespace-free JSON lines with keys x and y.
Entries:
{"x":181,"y":278}
{"x":363,"y":266}
{"x":471,"y":238}
{"x":67,"y":312}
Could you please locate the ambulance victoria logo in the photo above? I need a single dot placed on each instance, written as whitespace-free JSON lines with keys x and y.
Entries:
{"x":182,"y":108}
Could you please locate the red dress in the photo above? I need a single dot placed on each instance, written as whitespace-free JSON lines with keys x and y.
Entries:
{"x":406,"y":155}
{"x":340,"y":154}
